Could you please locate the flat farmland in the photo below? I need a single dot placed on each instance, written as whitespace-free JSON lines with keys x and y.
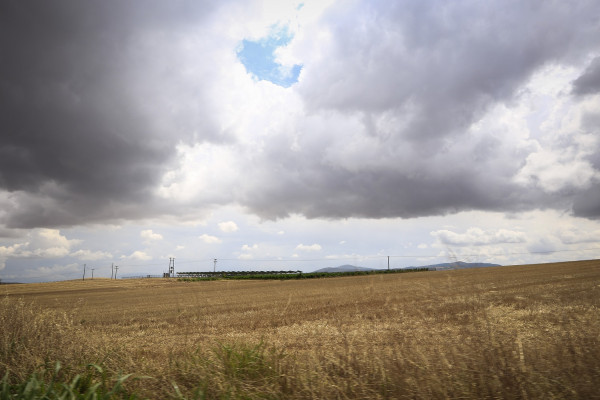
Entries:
{"x":510,"y":332}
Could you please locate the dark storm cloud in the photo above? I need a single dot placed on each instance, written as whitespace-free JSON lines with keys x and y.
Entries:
{"x":319,"y":191}
{"x":95,"y":96}
{"x":445,"y":61}
{"x":587,"y":203}
{"x":428,"y":71}
{"x":81,"y":86}
{"x":589,"y":82}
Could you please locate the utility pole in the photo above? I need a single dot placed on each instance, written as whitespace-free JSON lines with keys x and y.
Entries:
{"x":116,"y":270}
{"x":215,"y":266}
{"x":93,"y":273}
{"x":388,"y":263}
{"x":112,"y":270}
{"x":83,"y":272}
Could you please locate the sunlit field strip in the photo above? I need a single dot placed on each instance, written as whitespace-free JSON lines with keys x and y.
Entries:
{"x":523,"y":331}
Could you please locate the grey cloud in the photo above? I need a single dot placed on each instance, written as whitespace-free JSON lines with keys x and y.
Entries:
{"x":543,"y":245}
{"x":95,"y":96}
{"x":316,"y":191}
{"x":587,"y":203}
{"x":589,"y":81}
{"x":91,"y":106}
{"x":479,"y":237}
{"x":398,"y":179}
{"x":432,"y":70}
{"x":442,"y":63}
{"x":10,"y":233}
{"x":575,"y":236}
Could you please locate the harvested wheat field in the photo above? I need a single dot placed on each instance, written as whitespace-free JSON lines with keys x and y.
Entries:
{"x":504,"y":332}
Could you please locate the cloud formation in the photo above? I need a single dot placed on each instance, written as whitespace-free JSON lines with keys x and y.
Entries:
{"x":228,"y":226}
{"x":209,"y":239}
{"x":92,"y":108}
{"x":589,"y":81}
{"x":137,"y":255}
{"x":44,"y":243}
{"x":149,"y":236}
{"x":88,"y":255}
{"x":110,"y":111}
{"x":402,"y":93}
{"x":309,"y":248}
{"x":479,"y":237}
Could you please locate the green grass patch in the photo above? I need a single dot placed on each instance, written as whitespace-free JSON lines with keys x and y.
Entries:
{"x":93,"y":384}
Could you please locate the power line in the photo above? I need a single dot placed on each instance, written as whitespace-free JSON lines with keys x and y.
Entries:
{"x":367,"y":257}
{"x":503,"y":254}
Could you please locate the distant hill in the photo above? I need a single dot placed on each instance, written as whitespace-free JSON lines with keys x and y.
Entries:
{"x":439,"y":267}
{"x":344,"y":268}
{"x":457,"y":265}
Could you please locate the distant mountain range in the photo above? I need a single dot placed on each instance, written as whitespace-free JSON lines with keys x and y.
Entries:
{"x":458,"y":265}
{"x":344,"y":268}
{"x":442,"y":266}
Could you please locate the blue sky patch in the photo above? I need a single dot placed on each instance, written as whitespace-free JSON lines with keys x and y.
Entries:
{"x":259,"y":59}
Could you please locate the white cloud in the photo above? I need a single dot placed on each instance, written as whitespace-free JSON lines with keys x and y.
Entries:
{"x":51,"y":252}
{"x":43,"y":237}
{"x":194,"y":181}
{"x":574,"y":236}
{"x":544,"y":245}
{"x":56,"y":272}
{"x":209,"y":239}
{"x":309,"y":248}
{"x":39,"y":243}
{"x":250,"y":248}
{"x":9,"y":251}
{"x":555,"y":170}
{"x":479,"y":237}
{"x":137,"y":255}
{"x":89,"y":255}
{"x":149,"y":236}
{"x":355,"y":257}
{"x":228,"y":226}
{"x":45,"y":243}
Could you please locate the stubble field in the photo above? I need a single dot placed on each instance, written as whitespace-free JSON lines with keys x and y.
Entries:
{"x":506,"y":332}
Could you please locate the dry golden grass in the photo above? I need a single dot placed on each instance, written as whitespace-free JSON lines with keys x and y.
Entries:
{"x":508,"y":332}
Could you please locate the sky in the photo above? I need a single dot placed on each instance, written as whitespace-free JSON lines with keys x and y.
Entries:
{"x":286,"y":135}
